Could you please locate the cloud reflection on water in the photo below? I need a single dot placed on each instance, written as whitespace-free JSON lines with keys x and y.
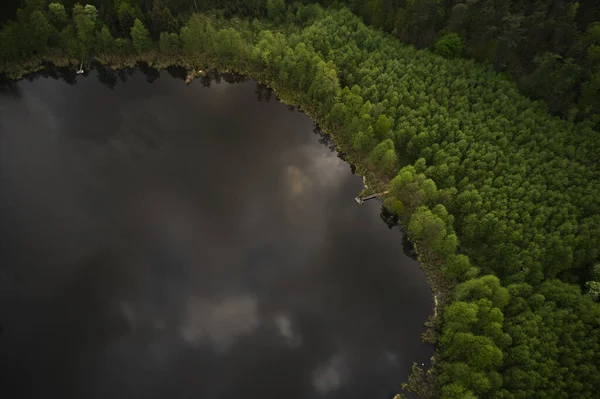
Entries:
{"x":158,"y":242}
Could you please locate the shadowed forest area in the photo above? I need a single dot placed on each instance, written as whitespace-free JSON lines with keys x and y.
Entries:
{"x":494,"y":176}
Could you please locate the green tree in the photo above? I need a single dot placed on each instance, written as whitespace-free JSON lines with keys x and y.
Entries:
{"x":57,"y":15}
{"x":449,"y":46}
{"x":364,"y":140}
{"x":456,"y":391}
{"x":104,"y":40}
{"x":29,"y":6}
{"x":413,"y":189}
{"x":325,"y":88}
{"x":276,"y":9}
{"x":475,"y":350}
{"x":593,"y":289}
{"x":126,"y":15}
{"x":459,"y":267}
{"x":160,"y":19}
{"x":483,"y":287}
{"x":384,"y":157}
{"x":382,"y":127}
{"x":10,"y":37}
{"x":595,"y":272}
{"x":38,"y":31}
{"x":140,"y":37}
{"x":554,"y":80}
{"x":197,"y":36}
{"x":471,"y":380}
{"x":427,"y":228}
{"x":85,"y":22}
{"x":123,"y":46}
{"x":461,"y":316}
{"x":394,"y":205}
{"x":229,"y":44}
{"x":169,"y":43}
{"x":458,"y":16}
{"x":69,"y":42}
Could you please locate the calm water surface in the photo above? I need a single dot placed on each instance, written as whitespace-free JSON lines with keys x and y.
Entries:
{"x":171,"y":241}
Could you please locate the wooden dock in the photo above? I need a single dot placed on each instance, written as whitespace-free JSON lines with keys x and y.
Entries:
{"x":360,"y":199}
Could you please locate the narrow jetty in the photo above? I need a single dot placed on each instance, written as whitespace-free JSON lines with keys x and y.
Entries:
{"x":360,"y":199}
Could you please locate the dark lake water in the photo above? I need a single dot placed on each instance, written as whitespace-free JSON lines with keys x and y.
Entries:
{"x":171,"y":241}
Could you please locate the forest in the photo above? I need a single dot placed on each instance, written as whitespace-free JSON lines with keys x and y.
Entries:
{"x":551,"y":48}
{"x":481,"y":118}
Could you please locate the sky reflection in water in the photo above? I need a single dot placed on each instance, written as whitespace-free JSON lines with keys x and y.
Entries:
{"x":164,"y":240}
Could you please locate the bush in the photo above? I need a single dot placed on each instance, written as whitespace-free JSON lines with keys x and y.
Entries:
{"x":449,"y":46}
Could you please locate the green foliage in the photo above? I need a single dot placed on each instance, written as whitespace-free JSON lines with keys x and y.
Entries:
{"x":461,"y":316}
{"x":104,"y":40}
{"x":384,"y":157}
{"x":57,"y":15}
{"x":123,"y":46}
{"x":140,"y":37}
{"x":68,"y":41}
{"x":126,"y":14}
{"x":394,"y":205}
{"x":427,"y":228}
{"x":469,"y":380}
{"x":473,"y":339}
{"x":85,"y":22}
{"x":595,"y":272}
{"x":459,"y":267}
{"x":449,"y":46}
{"x":476,"y":351}
{"x":308,"y":13}
{"x":364,"y":141}
{"x":483,"y":287}
{"x":456,"y":391}
{"x":326,"y":86}
{"x":196,"y":37}
{"x":169,"y":43}
{"x":39,"y":31}
{"x":382,"y":127}
{"x":229,"y":43}
{"x":9,"y":49}
{"x":593,"y":286}
{"x":276,"y":10}
{"x":160,"y":19}
{"x":547,"y":46}
{"x":554,"y":79}
{"x":413,"y":189}
{"x":593,"y":289}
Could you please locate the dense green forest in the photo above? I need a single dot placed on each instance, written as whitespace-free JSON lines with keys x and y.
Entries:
{"x":550,"y":47}
{"x":498,"y":195}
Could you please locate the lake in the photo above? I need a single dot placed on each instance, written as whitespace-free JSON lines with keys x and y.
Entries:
{"x":163,"y":240}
